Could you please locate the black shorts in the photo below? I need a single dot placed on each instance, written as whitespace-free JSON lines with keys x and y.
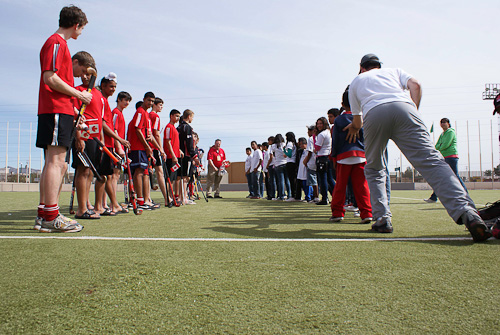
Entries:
{"x":185,"y":165}
{"x":92,"y":151}
{"x":172,"y":174}
{"x":106,"y":165}
{"x":54,"y":130}
{"x":156,"y":155}
{"x":139,"y":160}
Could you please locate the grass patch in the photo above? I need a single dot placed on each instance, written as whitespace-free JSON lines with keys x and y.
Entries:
{"x":91,"y":286}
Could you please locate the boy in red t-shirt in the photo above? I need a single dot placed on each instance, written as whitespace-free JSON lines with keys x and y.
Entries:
{"x":108,"y":87}
{"x":172,"y":149}
{"x":140,"y":151}
{"x":84,"y":143}
{"x":56,"y":116}
{"x":157,"y":146}
{"x":122,"y":102}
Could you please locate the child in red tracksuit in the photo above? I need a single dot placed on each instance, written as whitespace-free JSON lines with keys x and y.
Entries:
{"x":349,"y":159}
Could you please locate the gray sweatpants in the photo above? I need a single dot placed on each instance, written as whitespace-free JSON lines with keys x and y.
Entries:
{"x":400,"y":122}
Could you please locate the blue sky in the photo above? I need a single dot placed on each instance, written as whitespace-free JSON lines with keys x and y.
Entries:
{"x":253,"y":69}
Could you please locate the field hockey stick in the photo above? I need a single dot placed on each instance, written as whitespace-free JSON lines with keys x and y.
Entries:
{"x":196,"y":190}
{"x":153,"y":186}
{"x":84,"y":158}
{"x":168,"y":184}
{"x":114,"y":157}
{"x":133,"y":196}
{"x":201,"y":189}
{"x":72,"y":198}
{"x":93,"y":75}
{"x":125,"y":184}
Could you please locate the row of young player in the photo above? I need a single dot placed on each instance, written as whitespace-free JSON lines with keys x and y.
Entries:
{"x":324,"y":162}
{"x":142,"y":149}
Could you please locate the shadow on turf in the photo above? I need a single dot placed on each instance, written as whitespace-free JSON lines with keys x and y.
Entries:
{"x":15,"y":221}
{"x":274,"y":213}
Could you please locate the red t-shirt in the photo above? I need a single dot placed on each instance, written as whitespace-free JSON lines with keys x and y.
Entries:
{"x":93,"y":113}
{"x":171,"y":133}
{"x":155,"y":124}
{"x":108,"y":118}
{"x":139,"y":121}
{"x":217,"y":156}
{"x":118,"y":122}
{"x":55,"y":56}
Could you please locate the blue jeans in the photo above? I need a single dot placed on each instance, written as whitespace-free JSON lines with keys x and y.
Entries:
{"x":453,"y":163}
{"x":280,"y":180}
{"x":255,"y":177}
{"x":271,"y":183}
{"x":261,"y":184}
{"x":325,"y":177}
{"x":250,"y":185}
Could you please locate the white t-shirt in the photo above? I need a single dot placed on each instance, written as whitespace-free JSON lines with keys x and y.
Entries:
{"x":378,"y":86}
{"x":324,"y":140}
{"x":266,"y":160}
{"x":302,"y":172}
{"x":248,"y":163}
{"x":256,"y":158}
{"x":292,"y":146}
{"x":311,"y":164}
{"x":278,"y":154}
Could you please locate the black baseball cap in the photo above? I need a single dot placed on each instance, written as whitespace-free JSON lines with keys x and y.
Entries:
{"x":369,"y":58}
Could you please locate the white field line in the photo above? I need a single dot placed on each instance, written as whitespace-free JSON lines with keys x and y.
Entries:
{"x":195,"y":239}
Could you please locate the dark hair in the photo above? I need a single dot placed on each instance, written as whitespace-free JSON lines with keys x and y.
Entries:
{"x":158,"y":101}
{"x":373,"y":64}
{"x":174,"y":111}
{"x":149,"y":95}
{"x":85,"y":59}
{"x":279,"y":139}
{"x":445,"y":119}
{"x":290,"y":137}
{"x":138,"y":104}
{"x":345,"y":98}
{"x":302,"y":140}
{"x":105,"y":81}
{"x":265,"y":145}
{"x":71,"y":15}
{"x":325,"y":123}
{"x":253,"y":142}
{"x":334,"y":111}
{"x":248,"y":149}
{"x":218,"y":140}
{"x":270,"y":139}
{"x":123,"y":95}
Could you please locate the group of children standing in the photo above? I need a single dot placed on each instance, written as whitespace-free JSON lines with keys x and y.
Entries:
{"x":324,"y":162}
{"x":99,"y":141}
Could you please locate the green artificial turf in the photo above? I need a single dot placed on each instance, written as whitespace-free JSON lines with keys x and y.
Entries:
{"x":54,"y":286}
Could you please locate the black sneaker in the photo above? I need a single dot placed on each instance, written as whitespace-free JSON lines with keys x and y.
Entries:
{"x":217,"y":197}
{"x":490,"y":211}
{"x":382,"y":225}
{"x":322,"y":202}
{"x":479,"y":231}
{"x":209,"y":197}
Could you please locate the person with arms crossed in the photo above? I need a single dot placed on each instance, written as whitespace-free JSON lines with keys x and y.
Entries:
{"x":56,"y":116}
{"x":215,"y":157}
{"x":381,"y":106}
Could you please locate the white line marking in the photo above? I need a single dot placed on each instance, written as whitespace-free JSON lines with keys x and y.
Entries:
{"x":196,"y":239}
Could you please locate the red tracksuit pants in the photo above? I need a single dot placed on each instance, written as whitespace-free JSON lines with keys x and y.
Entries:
{"x":359,"y":186}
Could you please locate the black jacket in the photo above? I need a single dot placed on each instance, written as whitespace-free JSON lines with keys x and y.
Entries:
{"x":186,"y":139}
